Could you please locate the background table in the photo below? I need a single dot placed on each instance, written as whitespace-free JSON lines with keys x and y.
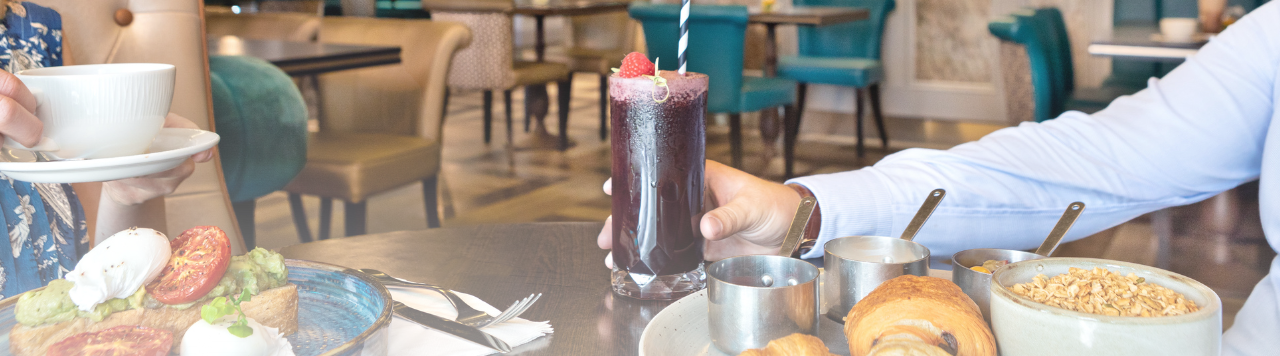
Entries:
{"x":306,"y":58}
{"x":1135,"y":42}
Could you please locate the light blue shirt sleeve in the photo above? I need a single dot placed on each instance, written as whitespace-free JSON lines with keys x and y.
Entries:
{"x":1200,"y":130}
{"x":1193,"y":134}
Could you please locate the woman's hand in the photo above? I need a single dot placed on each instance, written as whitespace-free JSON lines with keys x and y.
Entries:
{"x":748,"y":216}
{"x":134,"y":191}
{"x":17,"y":105}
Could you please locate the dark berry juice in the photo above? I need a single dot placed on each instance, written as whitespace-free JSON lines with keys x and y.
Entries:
{"x":659,"y":141}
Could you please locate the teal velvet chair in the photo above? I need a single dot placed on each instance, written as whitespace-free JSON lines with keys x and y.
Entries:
{"x":263,"y":123}
{"x":1044,"y":34}
{"x":716,"y":38}
{"x":845,"y":54}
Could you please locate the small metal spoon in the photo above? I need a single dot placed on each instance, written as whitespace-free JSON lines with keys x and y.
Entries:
{"x":795,"y":234}
{"x":922,"y":215}
{"x":1064,"y":224}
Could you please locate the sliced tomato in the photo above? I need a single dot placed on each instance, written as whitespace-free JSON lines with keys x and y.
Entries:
{"x":124,"y":340}
{"x":200,"y":258}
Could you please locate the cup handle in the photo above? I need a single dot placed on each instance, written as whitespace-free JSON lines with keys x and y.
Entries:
{"x":46,"y":143}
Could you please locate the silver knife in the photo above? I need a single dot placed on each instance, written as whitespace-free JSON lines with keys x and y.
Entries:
{"x":450,"y":327}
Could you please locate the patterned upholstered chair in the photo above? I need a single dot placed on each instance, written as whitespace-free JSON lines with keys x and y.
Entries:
{"x":488,"y":64}
{"x":1043,"y":34}
{"x":312,"y":7}
{"x":359,"y":8}
{"x":159,"y":31}
{"x":599,"y":43}
{"x":382,"y":126}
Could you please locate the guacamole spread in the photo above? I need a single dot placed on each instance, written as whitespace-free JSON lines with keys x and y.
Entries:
{"x":256,"y":271}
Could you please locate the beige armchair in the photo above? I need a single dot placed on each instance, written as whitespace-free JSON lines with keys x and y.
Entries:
{"x":159,"y":31}
{"x":264,"y":26}
{"x":382,"y":126}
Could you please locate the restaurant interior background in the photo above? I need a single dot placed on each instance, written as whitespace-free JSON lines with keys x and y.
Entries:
{"x":947,"y":80}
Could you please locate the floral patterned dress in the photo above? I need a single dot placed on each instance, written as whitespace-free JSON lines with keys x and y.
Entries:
{"x":45,"y":222}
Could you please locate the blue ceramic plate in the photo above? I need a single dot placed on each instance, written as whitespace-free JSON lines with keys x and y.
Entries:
{"x":339,"y":314}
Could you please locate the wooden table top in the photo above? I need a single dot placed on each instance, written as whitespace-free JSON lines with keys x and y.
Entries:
{"x":529,"y":7}
{"x":306,"y":58}
{"x":809,"y":15}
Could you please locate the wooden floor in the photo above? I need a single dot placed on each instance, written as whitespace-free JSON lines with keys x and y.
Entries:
{"x":1218,"y":242}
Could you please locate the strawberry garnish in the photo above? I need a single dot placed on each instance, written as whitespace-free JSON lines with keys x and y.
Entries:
{"x":635,"y":64}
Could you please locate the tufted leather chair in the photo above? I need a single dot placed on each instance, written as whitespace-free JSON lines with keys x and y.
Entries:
{"x":382,"y":126}
{"x":158,"y":31}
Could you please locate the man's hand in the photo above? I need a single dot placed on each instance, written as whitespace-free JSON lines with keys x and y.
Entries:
{"x":748,"y":216}
{"x":134,"y":191}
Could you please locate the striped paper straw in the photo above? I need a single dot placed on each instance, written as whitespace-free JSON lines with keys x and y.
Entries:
{"x":684,"y":34}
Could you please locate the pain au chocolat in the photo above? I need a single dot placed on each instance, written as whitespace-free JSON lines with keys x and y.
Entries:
{"x":911,"y":315}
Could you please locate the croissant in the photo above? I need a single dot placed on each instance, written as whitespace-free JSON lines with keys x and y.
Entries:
{"x":792,"y":345}
{"x":912,"y":315}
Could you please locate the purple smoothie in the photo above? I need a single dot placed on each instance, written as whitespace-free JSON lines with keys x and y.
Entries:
{"x":658,"y":162}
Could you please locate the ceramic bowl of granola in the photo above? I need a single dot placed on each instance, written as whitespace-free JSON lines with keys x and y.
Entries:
{"x":1085,"y":306}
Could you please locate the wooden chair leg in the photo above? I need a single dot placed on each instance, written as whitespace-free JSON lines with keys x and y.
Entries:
{"x":527,"y":108}
{"x":790,"y":132}
{"x":791,"y":129}
{"x":802,"y":91}
{"x":244,"y":215}
{"x":299,"y":213}
{"x":326,"y":218}
{"x":354,"y":217}
{"x":429,"y":187}
{"x":488,"y":114}
{"x":857,"y":117}
{"x":604,"y":107}
{"x":506,"y":100}
{"x":444,"y":107}
{"x":735,"y":140}
{"x":564,"y":95}
{"x":875,"y":112}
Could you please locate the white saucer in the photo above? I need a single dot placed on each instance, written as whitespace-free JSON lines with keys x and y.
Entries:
{"x":169,"y":149}
{"x":681,"y":329}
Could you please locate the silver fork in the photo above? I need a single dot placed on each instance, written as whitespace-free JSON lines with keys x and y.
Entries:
{"x":466,"y":314}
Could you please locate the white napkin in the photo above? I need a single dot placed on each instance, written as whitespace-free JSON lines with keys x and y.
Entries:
{"x":408,"y":338}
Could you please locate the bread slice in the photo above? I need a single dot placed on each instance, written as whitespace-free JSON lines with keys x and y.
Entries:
{"x":276,"y":307}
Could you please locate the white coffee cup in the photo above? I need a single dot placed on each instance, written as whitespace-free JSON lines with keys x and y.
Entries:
{"x":100,"y":110}
{"x":1178,"y":29}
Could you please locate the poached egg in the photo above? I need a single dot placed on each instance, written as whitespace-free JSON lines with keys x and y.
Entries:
{"x":118,"y":266}
{"x":204,"y":339}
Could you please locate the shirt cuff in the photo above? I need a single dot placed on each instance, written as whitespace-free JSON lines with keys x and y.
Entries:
{"x":853,"y":203}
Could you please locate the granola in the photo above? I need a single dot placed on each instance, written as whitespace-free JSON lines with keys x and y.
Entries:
{"x":1099,"y":291}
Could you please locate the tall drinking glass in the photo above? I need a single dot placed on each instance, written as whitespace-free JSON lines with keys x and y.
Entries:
{"x":659,"y":141}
